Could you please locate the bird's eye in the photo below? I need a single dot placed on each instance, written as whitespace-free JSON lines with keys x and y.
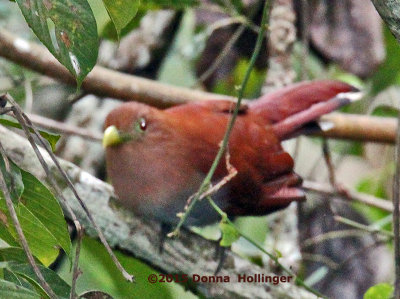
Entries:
{"x":142,"y":124}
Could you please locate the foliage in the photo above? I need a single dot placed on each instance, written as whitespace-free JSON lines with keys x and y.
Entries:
{"x":379,"y":291}
{"x":71,"y":40}
{"x":43,"y":224}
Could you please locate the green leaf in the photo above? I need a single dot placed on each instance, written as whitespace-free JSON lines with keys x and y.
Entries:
{"x":100,"y":273}
{"x":41,"y":242}
{"x":40,"y":217}
{"x":121,"y":12}
{"x":4,"y":232}
{"x":278,"y":254}
{"x":28,"y":283}
{"x":174,"y":4}
{"x":12,"y":291}
{"x":379,"y":291}
{"x":386,"y":103}
{"x":229,"y":233}
{"x":14,"y":254}
{"x":52,"y":139}
{"x":68,"y":29}
{"x":12,"y":277}
{"x":236,"y":4}
{"x":253,"y":89}
{"x":59,"y":286}
{"x":42,"y":203}
{"x":110,"y":33}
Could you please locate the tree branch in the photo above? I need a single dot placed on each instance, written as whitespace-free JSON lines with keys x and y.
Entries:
{"x":389,"y":12}
{"x":189,"y":254}
{"x":100,"y":81}
{"x":361,"y":127}
{"x":348,"y":194}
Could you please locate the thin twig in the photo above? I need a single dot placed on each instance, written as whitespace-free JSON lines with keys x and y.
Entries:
{"x":304,"y":20}
{"x":331,"y":235}
{"x":5,"y":110}
{"x":76,"y":272}
{"x":232,"y":172}
{"x":320,"y":258}
{"x":231,"y":21}
{"x":17,"y":225}
{"x":363,"y":227}
{"x":328,"y":161}
{"x":396,"y":214}
{"x":68,"y":129}
{"x":220,"y":58}
{"x":348,"y":195}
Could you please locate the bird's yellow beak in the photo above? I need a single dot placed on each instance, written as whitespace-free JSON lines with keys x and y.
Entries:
{"x":111,"y":136}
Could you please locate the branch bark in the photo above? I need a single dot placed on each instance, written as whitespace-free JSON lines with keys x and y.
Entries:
{"x":189,"y":254}
{"x":100,"y":81}
{"x":389,"y":11}
{"x":361,"y":127}
{"x":105,"y":82}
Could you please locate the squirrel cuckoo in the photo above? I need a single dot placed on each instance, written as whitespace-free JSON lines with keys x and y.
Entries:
{"x":156,"y":159}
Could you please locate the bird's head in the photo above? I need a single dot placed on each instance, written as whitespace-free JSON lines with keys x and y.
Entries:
{"x":129,"y":122}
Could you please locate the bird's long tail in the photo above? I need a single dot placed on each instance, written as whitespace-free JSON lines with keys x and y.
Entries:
{"x":290,"y":110}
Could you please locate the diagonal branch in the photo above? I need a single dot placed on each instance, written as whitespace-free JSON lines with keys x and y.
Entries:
{"x":100,"y":81}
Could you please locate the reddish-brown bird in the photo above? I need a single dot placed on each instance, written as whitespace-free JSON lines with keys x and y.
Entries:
{"x":156,"y":159}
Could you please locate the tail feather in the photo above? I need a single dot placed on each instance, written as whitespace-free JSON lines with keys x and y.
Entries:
{"x":293,"y":107}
